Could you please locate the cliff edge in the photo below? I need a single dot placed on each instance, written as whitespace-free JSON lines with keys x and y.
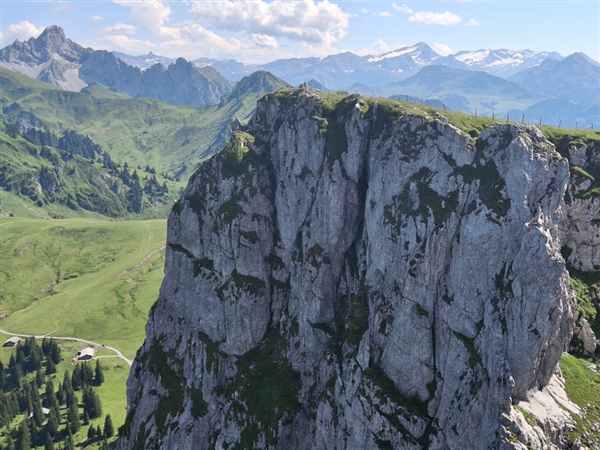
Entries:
{"x":350,"y":273}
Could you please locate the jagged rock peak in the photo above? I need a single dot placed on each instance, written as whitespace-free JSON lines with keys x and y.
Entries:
{"x":52,"y":34}
{"x":349,"y":273}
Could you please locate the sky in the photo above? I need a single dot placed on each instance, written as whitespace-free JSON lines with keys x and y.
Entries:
{"x":259,"y":31}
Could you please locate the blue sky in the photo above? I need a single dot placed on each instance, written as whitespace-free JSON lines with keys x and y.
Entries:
{"x":256,"y":31}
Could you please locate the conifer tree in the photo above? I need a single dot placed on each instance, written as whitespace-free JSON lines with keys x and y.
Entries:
{"x":24,"y":440}
{"x":109,"y":429}
{"x":25,"y":397}
{"x":99,"y":373}
{"x":39,"y":376}
{"x":10,"y":444}
{"x":73,"y":414}
{"x":67,"y":386}
{"x":86,"y":374}
{"x":60,"y":395}
{"x":76,"y":378}
{"x":50,"y":396}
{"x":49,"y":443}
{"x":69,"y":443}
{"x":53,"y":421}
{"x":91,"y":434}
{"x":3,"y":376}
{"x":91,"y":403}
{"x":38,"y":414}
{"x":54,"y":352}
{"x":50,"y":366}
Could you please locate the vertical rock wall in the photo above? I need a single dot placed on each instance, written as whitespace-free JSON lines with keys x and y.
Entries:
{"x":348,"y":275}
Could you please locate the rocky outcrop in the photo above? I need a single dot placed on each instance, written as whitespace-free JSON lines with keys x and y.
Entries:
{"x":348,"y":274}
{"x":579,"y":232}
{"x":580,"y":225}
{"x":51,"y":57}
{"x":181,"y":83}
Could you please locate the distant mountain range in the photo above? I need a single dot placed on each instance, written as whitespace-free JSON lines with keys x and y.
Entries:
{"x":486,"y":81}
{"x":57,"y":60}
{"x":345,"y":69}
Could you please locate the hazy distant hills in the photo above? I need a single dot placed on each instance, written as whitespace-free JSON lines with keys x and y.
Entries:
{"x":345,"y":69}
{"x":464,"y":90}
{"x":576,"y":77}
{"x":488,"y":81}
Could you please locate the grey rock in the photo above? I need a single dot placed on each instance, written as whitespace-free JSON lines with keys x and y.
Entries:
{"x":580,"y":223}
{"x":357,"y":280}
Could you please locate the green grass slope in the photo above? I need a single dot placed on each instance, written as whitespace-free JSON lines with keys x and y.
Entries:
{"x":67,"y":184}
{"x":85,"y":278}
{"x":171,"y":138}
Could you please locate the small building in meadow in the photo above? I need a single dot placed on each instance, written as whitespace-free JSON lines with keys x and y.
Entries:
{"x":45,"y":411}
{"x":86,"y":354}
{"x":12,"y":341}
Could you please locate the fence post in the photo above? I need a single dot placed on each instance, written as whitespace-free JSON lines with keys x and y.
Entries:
{"x":492,"y":115}
{"x":540,"y":120}
{"x":507,"y":118}
{"x":523,"y":119}
{"x":559,"y":123}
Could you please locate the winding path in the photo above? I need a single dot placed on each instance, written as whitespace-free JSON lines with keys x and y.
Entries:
{"x":67,"y":338}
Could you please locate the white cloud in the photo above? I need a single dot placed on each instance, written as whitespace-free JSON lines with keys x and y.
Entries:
{"x":262,"y":40}
{"x":379,"y":47}
{"x":120,"y":29}
{"x":315,"y":23}
{"x":442,"y":49}
{"x":97,"y":18}
{"x":473,"y":23}
{"x":384,"y":14}
{"x":431,"y":18}
{"x":154,"y":15}
{"x":402,"y":8}
{"x":364,"y":11}
{"x":128,"y":45}
{"x":246,"y":30}
{"x":22,"y":31}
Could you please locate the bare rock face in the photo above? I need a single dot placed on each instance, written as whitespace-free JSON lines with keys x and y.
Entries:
{"x":51,"y":57}
{"x":348,"y":275}
{"x":580,"y":225}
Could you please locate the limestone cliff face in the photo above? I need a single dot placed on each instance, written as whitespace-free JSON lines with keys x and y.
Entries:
{"x":580,"y":225}
{"x":348,"y":275}
{"x":579,"y":231}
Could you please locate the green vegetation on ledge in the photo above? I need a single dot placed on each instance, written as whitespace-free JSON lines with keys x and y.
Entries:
{"x":583,"y":388}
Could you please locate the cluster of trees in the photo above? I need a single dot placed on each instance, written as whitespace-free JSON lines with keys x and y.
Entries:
{"x":28,"y":358}
{"x":68,"y":174}
{"x":50,"y":414}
